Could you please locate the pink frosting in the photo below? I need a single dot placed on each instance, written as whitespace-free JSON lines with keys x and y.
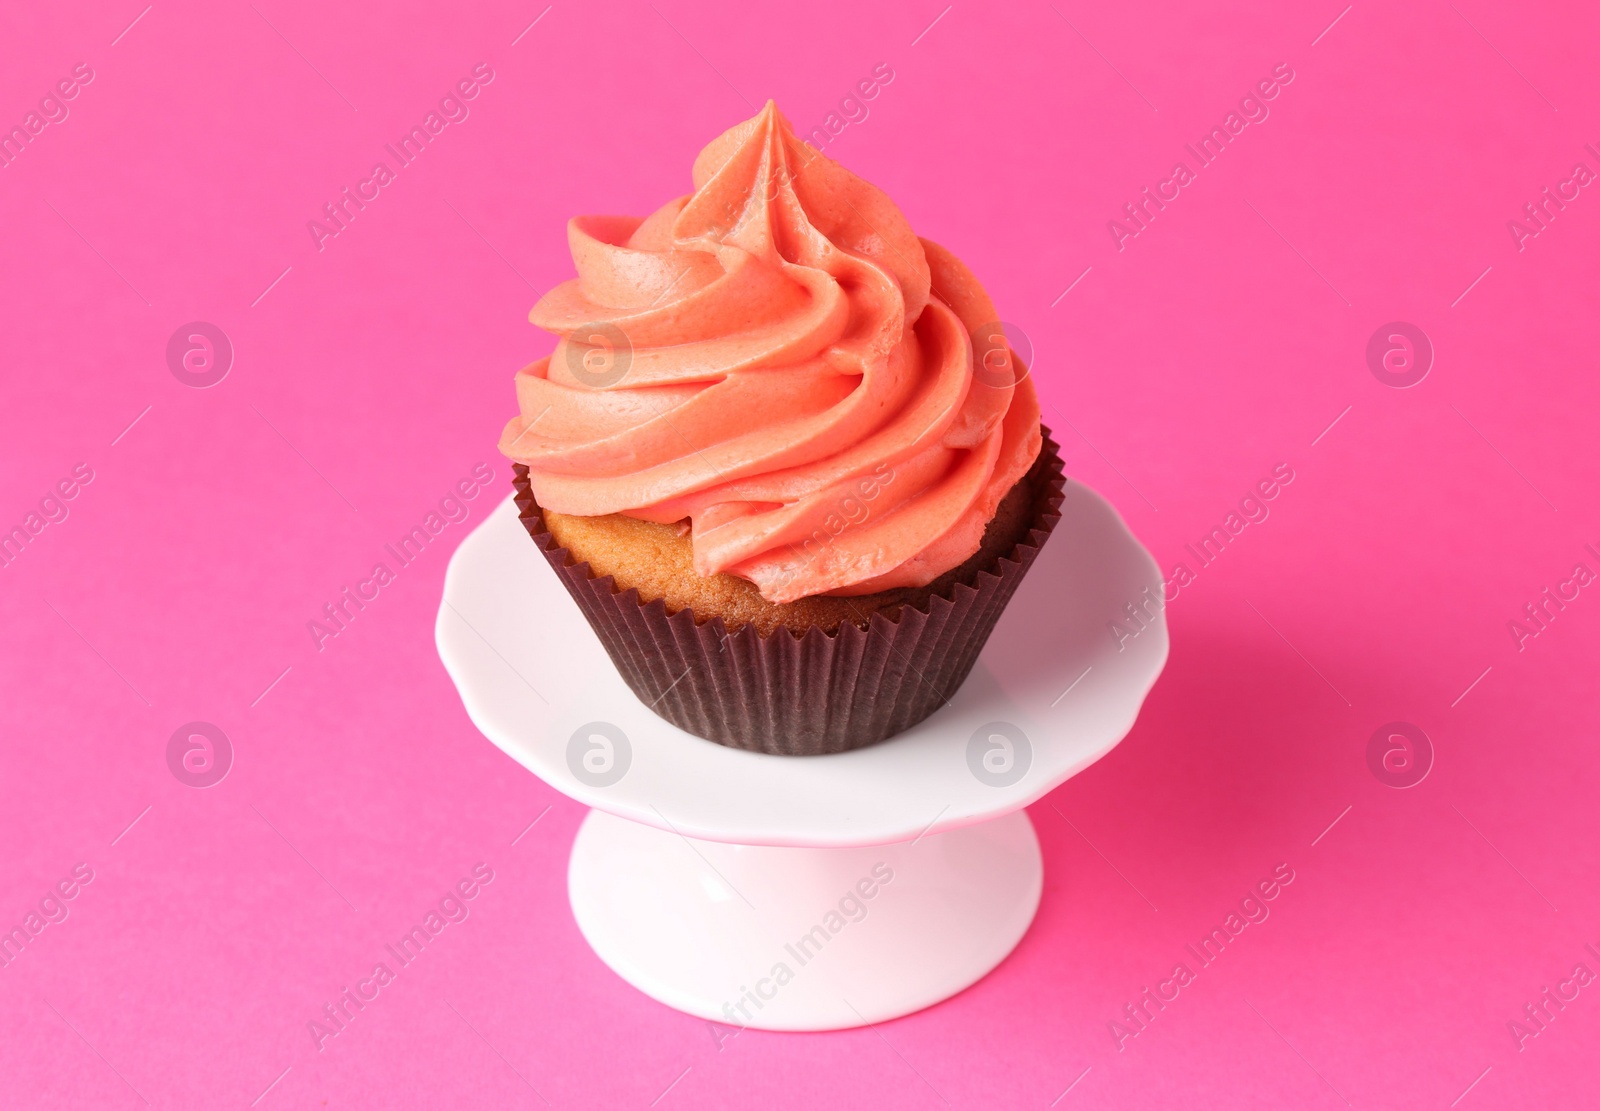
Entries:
{"x":779,"y":359}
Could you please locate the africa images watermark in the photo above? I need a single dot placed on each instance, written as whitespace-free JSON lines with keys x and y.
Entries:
{"x":1139,"y":213}
{"x":51,"y":910}
{"x":450,"y":909}
{"x":52,"y":510}
{"x":337,"y":215}
{"x":852,"y":510}
{"x":851,"y":907}
{"x":1537,"y":215}
{"x":199,"y":754}
{"x":599,"y":754}
{"x":1141,"y":613}
{"x":1399,"y":754}
{"x":1253,"y":910}
{"x":338,"y":614}
{"x":999,"y":754}
{"x":52,"y":110}
{"x":1537,"y":1016}
{"x":199,"y":354}
{"x":852,"y":107}
{"x":1538,"y":615}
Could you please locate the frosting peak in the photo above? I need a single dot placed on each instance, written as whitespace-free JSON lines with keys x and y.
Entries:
{"x":779,"y":359}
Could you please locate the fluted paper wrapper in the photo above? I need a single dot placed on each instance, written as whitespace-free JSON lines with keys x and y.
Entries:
{"x":793,"y":695}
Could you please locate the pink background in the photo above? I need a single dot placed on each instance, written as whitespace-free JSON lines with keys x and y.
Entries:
{"x":1220,"y":342}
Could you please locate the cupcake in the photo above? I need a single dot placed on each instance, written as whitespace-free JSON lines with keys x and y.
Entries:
{"x":782,"y":456}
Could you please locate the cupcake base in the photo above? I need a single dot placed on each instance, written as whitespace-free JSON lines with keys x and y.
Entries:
{"x":659,"y":560}
{"x":802,"y":694}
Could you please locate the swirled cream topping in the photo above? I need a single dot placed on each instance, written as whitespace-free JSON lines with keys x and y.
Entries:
{"x":778,"y":360}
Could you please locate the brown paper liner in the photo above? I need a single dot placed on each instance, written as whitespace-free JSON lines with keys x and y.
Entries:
{"x":792,"y":695}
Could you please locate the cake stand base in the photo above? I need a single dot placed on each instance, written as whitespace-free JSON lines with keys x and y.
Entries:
{"x":803,"y":938}
{"x":817,"y":892}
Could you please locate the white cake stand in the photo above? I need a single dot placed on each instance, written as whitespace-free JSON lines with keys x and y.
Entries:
{"x":821,"y":892}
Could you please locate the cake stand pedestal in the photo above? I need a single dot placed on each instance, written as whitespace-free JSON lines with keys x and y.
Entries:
{"x":820,"y":892}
